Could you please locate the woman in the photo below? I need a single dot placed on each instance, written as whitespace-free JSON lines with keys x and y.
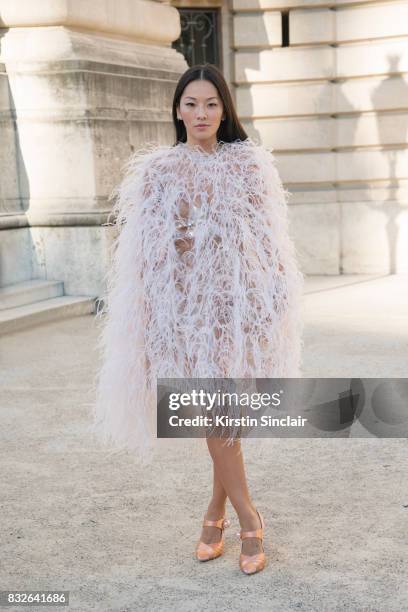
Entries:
{"x":204,"y":283}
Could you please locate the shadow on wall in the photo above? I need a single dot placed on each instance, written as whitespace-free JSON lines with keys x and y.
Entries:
{"x":350,"y":118}
{"x":14,"y":184}
{"x":391,"y":141}
{"x":391,"y":207}
{"x":341,"y":109}
{"x":17,"y":190}
{"x":389,"y":144}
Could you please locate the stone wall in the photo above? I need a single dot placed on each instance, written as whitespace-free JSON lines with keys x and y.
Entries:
{"x":333,"y":105}
{"x":82,"y":84}
{"x":80,"y":89}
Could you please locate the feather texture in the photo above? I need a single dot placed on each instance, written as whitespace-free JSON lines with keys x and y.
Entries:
{"x":203,"y":281}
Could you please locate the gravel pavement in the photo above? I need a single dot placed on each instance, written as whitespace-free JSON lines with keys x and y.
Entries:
{"x":121,"y":537}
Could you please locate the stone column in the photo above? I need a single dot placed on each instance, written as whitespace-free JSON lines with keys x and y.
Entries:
{"x":82,"y":84}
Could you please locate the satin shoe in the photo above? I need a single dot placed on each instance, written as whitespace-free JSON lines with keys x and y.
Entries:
{"x":206,"y":552}
{"x":250,"y":564}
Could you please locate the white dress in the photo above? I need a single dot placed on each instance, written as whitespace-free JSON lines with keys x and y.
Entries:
{"x":229,"y":306}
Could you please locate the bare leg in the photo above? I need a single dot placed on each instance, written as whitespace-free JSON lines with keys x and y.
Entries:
{"x":215,"y":511}
{"x":228,"y":461}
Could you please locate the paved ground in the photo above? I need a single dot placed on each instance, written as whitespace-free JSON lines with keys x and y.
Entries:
{"x":121,"y":538}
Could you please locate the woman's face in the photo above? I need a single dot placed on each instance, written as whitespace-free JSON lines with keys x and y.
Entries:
{"x":200,"y":103}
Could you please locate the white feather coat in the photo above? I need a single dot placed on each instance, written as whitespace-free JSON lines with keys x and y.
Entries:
{"x":229,"y":306}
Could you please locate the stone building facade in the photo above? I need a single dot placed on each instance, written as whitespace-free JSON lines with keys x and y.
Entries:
{"x":82,"y":84}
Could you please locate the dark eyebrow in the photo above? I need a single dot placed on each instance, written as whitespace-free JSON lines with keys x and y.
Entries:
{"x":196,"y":98}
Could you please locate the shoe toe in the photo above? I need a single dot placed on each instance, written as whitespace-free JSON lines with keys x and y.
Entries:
{"x":250,"y":568}
{"x":205,"y":552}
{"x":252,"y":564}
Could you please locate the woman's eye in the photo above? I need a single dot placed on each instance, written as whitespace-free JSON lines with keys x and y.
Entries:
{"x":191,"y":104}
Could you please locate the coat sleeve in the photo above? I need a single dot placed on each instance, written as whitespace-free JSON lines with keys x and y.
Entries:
{"x":268,"y":201}
{"x":273,"y":251}
{"x":124,"y":403}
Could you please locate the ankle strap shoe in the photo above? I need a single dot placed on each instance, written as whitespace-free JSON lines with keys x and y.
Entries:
{"x":251,"y":564}
{"x":206,"y":552}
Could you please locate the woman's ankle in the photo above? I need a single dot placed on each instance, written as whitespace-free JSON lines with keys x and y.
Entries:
{"x":249,"y":519}
{"x":215,"y":510}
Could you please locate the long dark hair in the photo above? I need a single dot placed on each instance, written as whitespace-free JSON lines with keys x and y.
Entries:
{"x":230,"y":129}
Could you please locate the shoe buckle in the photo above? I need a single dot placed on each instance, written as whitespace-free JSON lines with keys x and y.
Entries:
{"x":226,"y":523}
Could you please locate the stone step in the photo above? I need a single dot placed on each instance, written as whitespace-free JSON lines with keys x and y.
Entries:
{"x":45,"y":311}
{"x":27,"y":292}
